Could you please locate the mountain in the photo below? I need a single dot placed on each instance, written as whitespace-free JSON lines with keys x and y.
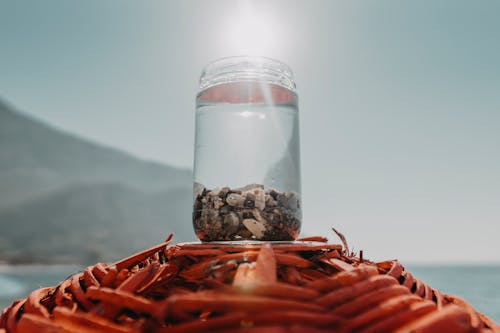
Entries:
{"x":66,"y":199}
{"x":90,"y":223}
{"x":36,"y":157}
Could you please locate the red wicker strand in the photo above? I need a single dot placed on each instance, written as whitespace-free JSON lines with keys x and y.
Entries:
{"x":306,"y":286}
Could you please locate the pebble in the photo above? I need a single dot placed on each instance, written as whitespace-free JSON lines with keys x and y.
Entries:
{"x":260,"y":198}
{"x":231,"y":222}
{"x":249,"y":203}
{"x":234,"y":200}
{"x":270,"y":201}
{"x":218,"y":203}
{"x":258,"y":217}
{"x":250,"y":200}
{"x":251,"y":212}
{"x":293,"y":201}
{"x":214,"y":193}
{"x":255,"y":227}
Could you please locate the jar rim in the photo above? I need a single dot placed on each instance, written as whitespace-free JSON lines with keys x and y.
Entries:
{"x":247,"y":68}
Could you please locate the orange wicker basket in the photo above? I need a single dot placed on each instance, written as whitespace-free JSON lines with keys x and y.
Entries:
{"x":303,"y":286}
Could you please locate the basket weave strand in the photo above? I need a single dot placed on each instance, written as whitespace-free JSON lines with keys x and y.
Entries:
{"x":303,"y":286}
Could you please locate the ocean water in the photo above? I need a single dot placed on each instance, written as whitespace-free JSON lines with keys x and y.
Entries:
{"x":18,"y":281}
{"x":478,"y":284}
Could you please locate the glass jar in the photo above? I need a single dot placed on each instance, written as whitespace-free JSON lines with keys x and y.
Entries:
{"x":247,"y":153}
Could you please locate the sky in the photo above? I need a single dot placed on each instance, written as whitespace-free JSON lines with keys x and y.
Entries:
{"x":399,"y":101}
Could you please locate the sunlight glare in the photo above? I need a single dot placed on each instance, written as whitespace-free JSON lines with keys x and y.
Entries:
{"x":251,"y":30}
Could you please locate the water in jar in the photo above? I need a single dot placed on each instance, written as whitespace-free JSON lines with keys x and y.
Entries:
{"x":247,"y":163}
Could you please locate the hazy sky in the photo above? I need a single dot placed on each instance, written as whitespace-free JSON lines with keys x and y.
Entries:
{"x":399,"y":101}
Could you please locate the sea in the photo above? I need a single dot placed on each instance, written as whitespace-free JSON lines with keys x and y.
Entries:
{"x":477,"y":284}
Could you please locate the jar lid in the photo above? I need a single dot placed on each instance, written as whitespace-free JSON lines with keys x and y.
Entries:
{"x":247,"y":68}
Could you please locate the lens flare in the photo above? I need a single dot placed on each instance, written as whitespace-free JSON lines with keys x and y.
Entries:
{"x":251,"y":30}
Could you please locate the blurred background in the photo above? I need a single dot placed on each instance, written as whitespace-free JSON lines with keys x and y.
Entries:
{"x":400,"y":129}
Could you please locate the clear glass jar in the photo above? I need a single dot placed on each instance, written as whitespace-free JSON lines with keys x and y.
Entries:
{"x":247,"y":153}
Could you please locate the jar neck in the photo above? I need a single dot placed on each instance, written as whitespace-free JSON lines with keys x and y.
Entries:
{"x":247,"y":69}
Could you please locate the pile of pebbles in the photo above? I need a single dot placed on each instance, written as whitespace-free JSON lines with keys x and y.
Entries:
{"x":247,"y":213}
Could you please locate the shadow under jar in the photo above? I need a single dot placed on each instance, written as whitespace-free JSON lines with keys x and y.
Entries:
{"x":247,"y":152}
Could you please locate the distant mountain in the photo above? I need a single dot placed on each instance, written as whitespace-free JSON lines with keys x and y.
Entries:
{"x":65,"y":199}
{"x":90,"y":223}
{"x":35,"y":157}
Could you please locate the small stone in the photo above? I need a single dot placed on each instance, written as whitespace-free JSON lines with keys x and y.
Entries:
{"x":246,"y":214}
{"x":210,"y":215}
{"x":274,"y":194}
{"x":214,"y":193}
{"x":255,"y":227}
{"x":244,"y":233}
{"x":260,"y":198}
{"x":267,"y":216}
{"x":249,"y":203}
{"x":249,"y":200}
{"x":258,"y":216}
{"x":234,"y":200}
{"x":225,"y":209}
{"x":231,"y":222}
{"x":231,"y":219}
{"x":218,"y":203}
{"x":270,"y":201}
{"x":293,"y":200}
{"x":197,"y":204}
{"x":251,"y":212}
{"x":224,"y":192}
{"x":216,"y":224}
{"x":283,"y":201}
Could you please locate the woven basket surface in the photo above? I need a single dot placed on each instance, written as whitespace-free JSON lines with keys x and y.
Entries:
{"x":303,"y":286}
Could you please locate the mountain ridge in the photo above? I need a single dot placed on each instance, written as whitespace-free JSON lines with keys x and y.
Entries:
{"x":27,"y":151}
{"x":13,"y":111}
{"x":61,"y":196}
{"x":92,"y":222}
